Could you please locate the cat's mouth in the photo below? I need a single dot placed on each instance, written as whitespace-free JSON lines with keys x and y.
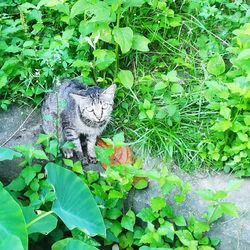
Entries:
{"x":93,"y":123}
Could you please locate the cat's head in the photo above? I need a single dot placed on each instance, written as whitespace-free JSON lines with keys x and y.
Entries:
{"x":95,"y":104}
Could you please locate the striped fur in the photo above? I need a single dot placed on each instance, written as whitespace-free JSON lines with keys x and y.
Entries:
{"x":73,"y":109}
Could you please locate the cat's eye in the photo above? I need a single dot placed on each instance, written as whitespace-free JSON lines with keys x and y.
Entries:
{"x":105,"y":105}
{"x":90,"y":109}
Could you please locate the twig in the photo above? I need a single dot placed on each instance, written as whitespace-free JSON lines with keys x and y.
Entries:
{"x":18,"y":129}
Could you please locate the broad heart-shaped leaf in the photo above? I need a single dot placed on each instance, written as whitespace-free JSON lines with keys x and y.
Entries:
{"x":12,"y":221}
{"x":128,"y":221}
{"x":133,"y":3}
{"x":44,"y":225}
{"x":8,"y":154}
{"x":71,"y":244}
{"x":216,"y":65}
{"x":126,"y":78}
{"x":79,"y":7}
{"x":11,"y":242}
{"x":124,"y":37}
{"x":140,"y":43}
{"x":74,"y":202}
{"x":103,"y":58}
{"x":97,"y":11}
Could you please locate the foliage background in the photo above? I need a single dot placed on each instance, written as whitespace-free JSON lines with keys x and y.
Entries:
{"x":162,"y":54}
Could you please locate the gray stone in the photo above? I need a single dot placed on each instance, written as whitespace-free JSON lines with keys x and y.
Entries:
{"x":18,"y":125}
{"x":234,"y":233}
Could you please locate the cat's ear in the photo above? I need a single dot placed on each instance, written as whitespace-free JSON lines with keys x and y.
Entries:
{"x":78,"y":96}
{"x":109,"y":92}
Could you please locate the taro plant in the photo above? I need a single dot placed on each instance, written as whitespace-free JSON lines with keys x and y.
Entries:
{"x":72,"y":202}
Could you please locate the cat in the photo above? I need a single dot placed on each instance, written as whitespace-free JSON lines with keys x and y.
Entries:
{"x":73,"y":109}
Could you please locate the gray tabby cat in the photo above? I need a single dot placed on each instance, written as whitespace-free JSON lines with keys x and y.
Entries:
{"x":73,"y":109}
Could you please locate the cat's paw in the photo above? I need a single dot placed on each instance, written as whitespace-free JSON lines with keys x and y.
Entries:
{"x":68,"y":153}
{"x":92,"y":160}
{"x":84,"y":161}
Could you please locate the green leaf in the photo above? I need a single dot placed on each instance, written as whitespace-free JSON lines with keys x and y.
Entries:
{"x":113,"y":213}
{"x":176,"y":88}
{"x":187,"y":239}
{"x":116,"y":228}
{"x":147,"y":215}
{"x":150,"y":113}
{"x":141,"y":184}
{"x":79,"y":7}
{"x":172,"y":76}
{"x":103,"y":154}
{"x":243,"y":137}
{"x":28,"y":174}
{"x":124,"y":37}
{"x":146,"y":104}
{"x":67,"y":34}
{"x":133,"y":3}
{"x":216,"y":65}
{"x":229,"y":208}
{"x":126,"y":78}
{"x":214,"y":213}
{"x":11,"y":242}
{"x":222,"y":126}
{"x":140,"y":43}
{"x":86,"y":28}
{"x":180,"y":221}
{"x":128,"y":221}
{"x":39,"y":154}
{"x":17,"y":184}
{"x":104,"y":58}
{"x":92,"y":176}
{"x":113,"y":194}
{"x":75,"y":204}
{"x":12,"y":223}
{"x":48,"y":3}
{"x":206,"y":194}
{"x":172,"y":108}
{"x":43,"y":226}
{"x":8,"y":154}
{"x":247,"y":120}
{"x":166,"y":229}
{"x":225,"y":112}
{"x":118,"y":139}
{"x":104,"y":31}
{"x":29,"y":52}
{"x":71,"y":244}
{"x":160,"y":85}
{"x":157,"y":203}
{"x":179,"y":198}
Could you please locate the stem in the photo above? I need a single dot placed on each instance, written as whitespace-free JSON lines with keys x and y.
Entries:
{"x":39,"y":218}
{"x":116,"y":45}
{"x":211,"y":217}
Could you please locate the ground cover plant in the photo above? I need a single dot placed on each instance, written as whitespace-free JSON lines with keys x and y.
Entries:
{"x":57,"y":205}
{"x":161,"y":54}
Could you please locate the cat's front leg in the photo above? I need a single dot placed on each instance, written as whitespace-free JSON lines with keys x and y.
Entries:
{"x":91,"y":140}
{"x":72,"y":136}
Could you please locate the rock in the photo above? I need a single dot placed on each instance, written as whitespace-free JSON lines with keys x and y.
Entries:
{"x":14,"y":132}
